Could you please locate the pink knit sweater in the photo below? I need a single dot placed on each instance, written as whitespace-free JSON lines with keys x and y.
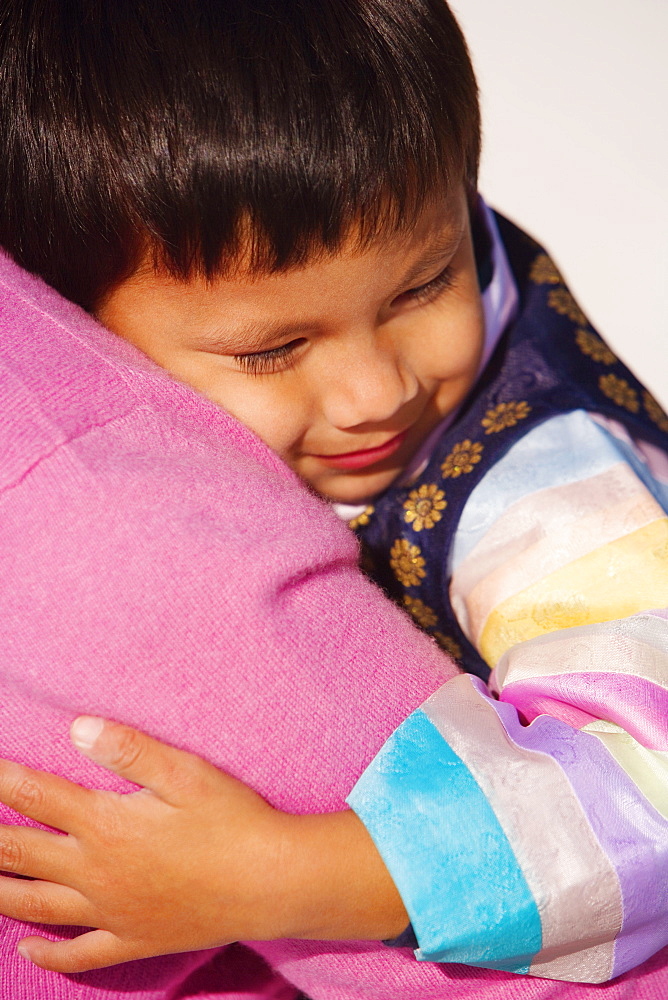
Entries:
{"x":162,"y":567}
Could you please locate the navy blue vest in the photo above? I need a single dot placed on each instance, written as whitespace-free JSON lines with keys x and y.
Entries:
{"x":549,"y":362}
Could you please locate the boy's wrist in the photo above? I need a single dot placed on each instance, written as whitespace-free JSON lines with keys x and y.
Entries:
{"x":332,"y":883}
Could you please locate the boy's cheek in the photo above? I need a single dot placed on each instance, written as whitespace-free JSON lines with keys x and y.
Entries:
{"x":273,"y":422}
{"x":457,"y":345}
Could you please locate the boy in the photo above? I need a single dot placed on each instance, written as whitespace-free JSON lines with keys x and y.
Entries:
{"x":304,"y":293}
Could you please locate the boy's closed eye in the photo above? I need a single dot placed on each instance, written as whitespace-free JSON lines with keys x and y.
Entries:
{"x":273,"y":360}
{"x":282,"y":358}
{"x":431,"y":289}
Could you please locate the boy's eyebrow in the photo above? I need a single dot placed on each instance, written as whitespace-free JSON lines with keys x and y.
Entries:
{"x":253,"y":336}
{"x":444,"y":246}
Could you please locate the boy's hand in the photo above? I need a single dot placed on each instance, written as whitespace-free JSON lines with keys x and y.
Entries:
{"x":138,"y":866}
{"x":194,"y":860}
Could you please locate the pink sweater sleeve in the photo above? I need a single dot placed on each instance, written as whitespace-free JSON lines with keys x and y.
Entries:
{"x":161,"y":567}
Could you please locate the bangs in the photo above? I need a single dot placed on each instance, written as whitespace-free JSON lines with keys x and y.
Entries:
{"x":328,"y":125}
{"x":209,"y":131}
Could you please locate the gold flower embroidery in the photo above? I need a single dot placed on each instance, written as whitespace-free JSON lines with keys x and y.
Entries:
{"x":461,"y":459}
{"x":654,"y":411}
{"x":362,"y":519}
{"x":505,"y":415}
{"x":594,"y":347}
{"x":561,"y":300}
{"x":407,"y":562}
{"x":544,"y":271}
{"x":422,"y":614}
{"x":620,"y":392}
{"x":424,"y":505}
{"x":448,"y":645}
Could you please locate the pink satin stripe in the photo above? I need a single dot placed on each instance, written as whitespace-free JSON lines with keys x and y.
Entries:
{"x":546,"y":705}
{"x":639,"y":707}
{"x":544,"y":532}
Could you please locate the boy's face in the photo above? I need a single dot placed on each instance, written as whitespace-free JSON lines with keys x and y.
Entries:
{"x":342,"y":366}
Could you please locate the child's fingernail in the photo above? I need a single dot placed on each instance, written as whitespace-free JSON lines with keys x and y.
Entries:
{"x":85,"y":730}
{"x":23,"y":952}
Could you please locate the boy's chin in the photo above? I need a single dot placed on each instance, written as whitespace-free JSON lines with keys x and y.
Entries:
{"x":355,"y":490}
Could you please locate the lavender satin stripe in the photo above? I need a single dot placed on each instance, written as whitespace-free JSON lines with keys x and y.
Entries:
{"x":632,"y":834}
{"x":544,"y":822}
{"x":637,"y":705}
{"x":500,"y":300}
{"x":648,"y":461}
{"x":637,"y":646}
{"x":514,"y":565}
{"x":609,"y":498}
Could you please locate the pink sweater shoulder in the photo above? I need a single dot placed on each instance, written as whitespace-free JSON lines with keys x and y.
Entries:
{"x":162,"y":567}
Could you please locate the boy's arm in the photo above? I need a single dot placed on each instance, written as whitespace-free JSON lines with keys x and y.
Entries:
{"x":554,"y":860}
{"x":239,"y":868}
{"x":566,"y":874}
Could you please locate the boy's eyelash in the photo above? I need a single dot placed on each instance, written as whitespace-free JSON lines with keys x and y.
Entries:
{"x":432,"y":288}
{"x":279,"y":358}
{"x":266,"y":362}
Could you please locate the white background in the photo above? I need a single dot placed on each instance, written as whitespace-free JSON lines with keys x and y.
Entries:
{"x":575,"y":113}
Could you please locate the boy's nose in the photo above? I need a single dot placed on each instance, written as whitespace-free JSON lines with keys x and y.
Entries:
{"x":369,"y":387}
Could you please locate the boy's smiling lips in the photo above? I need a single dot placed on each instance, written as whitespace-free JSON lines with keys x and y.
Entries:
{"x":366,"y":457}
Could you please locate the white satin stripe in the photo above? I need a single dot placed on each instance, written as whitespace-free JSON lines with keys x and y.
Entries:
{"x":544,"y":532}
{"x":578,"y":968}
{"x":558,"y":858}
{"x":564,"y":449}
{"x":635,"y":646}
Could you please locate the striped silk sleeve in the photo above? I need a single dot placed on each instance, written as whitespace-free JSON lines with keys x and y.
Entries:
{"x":526,"y":825}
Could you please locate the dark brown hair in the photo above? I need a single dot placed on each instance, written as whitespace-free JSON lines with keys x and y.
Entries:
{"x":187,"y":126}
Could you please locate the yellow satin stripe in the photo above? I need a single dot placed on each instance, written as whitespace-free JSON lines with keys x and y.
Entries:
{"x":617,"y":580}
{"x":648,"y":769}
